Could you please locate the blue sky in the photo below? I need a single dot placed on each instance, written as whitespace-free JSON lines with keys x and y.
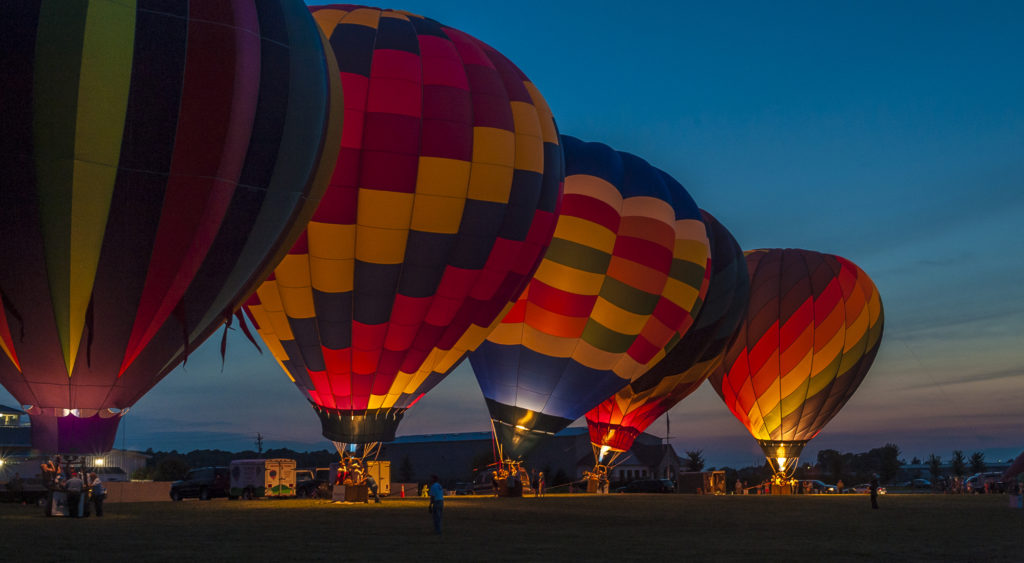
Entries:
{"x":891,"y":134}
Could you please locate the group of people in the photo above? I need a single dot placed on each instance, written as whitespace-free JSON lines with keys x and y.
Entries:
{"x":350,"y":472}
{"x":80,"y":488}
{"x":507,"y":480}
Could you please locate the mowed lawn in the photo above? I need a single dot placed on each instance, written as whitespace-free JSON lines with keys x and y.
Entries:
{"x":555,"y":528}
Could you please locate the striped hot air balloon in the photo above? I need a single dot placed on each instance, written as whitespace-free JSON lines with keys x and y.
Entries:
{"x":619,"y":285}
{"x":154,"y":158}
{"x":616,"y":422}
{"x":441,"y":205}
{"x":811,"y":332}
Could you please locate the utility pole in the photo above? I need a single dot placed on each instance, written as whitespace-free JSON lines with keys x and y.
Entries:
{"x":259,"y":443}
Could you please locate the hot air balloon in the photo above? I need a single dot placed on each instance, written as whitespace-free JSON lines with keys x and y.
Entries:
{"x":616,"y":422}
{"x":154,"y":158}
{"x":811,"y":332}
{"x":441,"y":205}
{"x":626,"y":270}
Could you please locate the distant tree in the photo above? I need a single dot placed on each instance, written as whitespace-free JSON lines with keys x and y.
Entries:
{"x":935,"y":466}
{"x":694,"y":460}
{"x":755,"y":474}
{"x":978,"y":462}
{"x":959,"y":463}
{"x":832,"y":462}
{"x":171,"y":468}
{"x":915,"y":461}
{"x":889,"y":462}
{"x":143,"y":474}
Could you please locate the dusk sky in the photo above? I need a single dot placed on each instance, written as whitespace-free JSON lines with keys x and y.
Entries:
{"x":892,"y":135}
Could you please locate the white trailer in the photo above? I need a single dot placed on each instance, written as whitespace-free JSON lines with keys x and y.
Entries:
{"x":381,"y":472}
{"x":251,"y":478}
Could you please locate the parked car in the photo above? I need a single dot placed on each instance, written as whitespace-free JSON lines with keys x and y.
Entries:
{"x":203,"y":483}
{"x":648,"y":486}
{"x":310,"y":484}
{"x":921,"y":484}
{"x":865,"y":488}
{"x":816,"y":486}
{"x":463,"y":488}
{"x":976,"y":483}
{"x":109,"y":474}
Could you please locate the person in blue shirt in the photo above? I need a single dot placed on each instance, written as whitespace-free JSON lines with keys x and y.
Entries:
{"x":436,"y":507}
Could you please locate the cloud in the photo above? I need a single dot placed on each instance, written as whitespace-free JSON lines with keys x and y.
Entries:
{"x":991,"y":375}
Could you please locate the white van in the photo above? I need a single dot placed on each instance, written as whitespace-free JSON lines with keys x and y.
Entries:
{"x":251,"y":478}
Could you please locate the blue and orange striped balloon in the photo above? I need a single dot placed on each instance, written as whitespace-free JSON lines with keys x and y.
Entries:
{"x":154,"y":161}
{"x":618,"y":287}
{"x":441,"y":205}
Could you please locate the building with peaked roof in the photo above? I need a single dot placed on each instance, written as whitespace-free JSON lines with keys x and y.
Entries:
{"x":564,"y":457}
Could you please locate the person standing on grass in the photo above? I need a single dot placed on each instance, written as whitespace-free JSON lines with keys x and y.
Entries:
{"x":97,"y":493}
{"x":539,"y":490}
{"x":874,"y":491}
{"x":73,"y":487}
{"x":436,"y":506}
{"x":371,"y":485}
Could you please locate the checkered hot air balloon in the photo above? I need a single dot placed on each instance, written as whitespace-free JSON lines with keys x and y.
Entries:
{"x":811,"y":332}
{"x":154,"y":157}
{"x":441,"y":205}
{"x":618,"y":287}
{"x":616,"y":422}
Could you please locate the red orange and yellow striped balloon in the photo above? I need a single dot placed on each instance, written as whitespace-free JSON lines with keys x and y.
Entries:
{"x":812,"y":330}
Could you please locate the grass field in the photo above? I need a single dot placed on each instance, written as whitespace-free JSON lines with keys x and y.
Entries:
{"x":555,"y":528}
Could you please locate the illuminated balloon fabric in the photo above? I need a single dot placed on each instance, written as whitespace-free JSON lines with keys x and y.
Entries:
{"x":154,"y":157}
{"x":627,"y":266}
{"x":441,"y":205}
{"x":811,"y":332}
{"x":618,"y":420}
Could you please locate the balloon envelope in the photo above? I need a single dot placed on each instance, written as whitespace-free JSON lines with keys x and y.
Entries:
{"x":153,"y":160}
{"x":617,"y":288}
{"x":811,"y":332}
{"x":619,"y":419}
{"x":441,"y":205}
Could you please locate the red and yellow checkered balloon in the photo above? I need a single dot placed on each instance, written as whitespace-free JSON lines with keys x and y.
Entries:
{"x":441,"y":205}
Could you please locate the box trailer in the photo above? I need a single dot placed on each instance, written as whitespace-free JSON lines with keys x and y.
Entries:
{"x":381,"y":472}
{"x":701,"y":482}
{"x":251,"y":478}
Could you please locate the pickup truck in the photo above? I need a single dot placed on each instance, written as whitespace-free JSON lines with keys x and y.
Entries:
{"x":310,"y":484}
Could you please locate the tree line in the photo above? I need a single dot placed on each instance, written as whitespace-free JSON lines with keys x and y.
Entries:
{"x":834,"y":466}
